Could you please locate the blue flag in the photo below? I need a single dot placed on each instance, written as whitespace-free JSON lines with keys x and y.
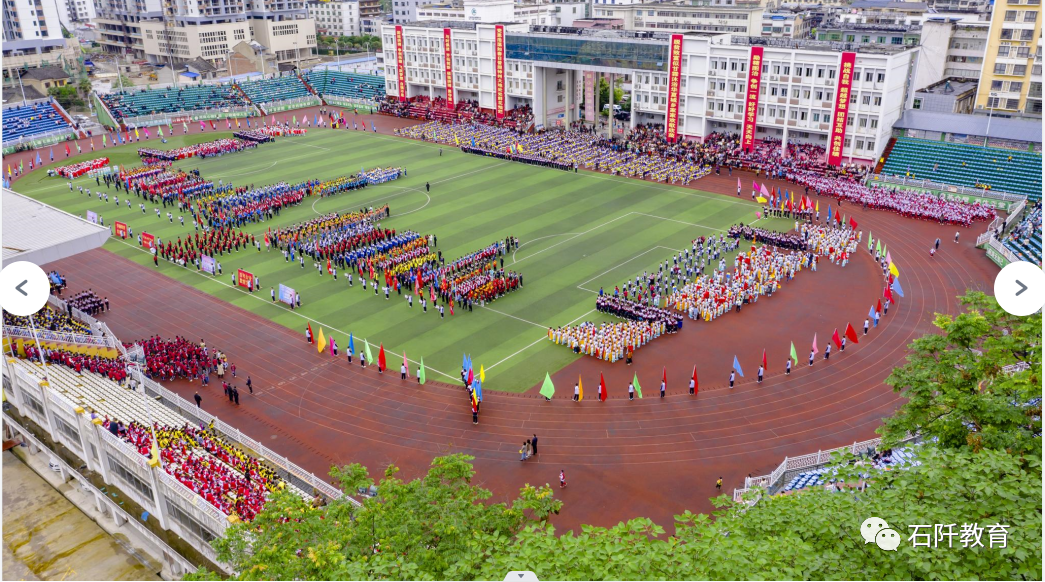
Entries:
{"x":351,"y":344}
{"x":897,"y":288}
{"x":829,"y":213}
{"x":464,"y":361}
{"x":52,"y":154}
{"x":736,"y":366}
{"x":478,"y":387}
{"x":38,"y":160}
{"x":248,"y":122}
{"x":372,"y":126}
{"x":870,"y":314}
{"x":473,"y":142}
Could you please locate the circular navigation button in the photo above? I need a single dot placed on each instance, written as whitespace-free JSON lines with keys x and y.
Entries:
{"x":1020,"y":288}
{"x":23,"y":288}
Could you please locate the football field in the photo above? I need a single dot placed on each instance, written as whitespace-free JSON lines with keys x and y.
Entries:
{"x":579,"y":232}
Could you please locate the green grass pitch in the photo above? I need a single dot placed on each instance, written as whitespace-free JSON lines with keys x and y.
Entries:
{"x":578,"y":232}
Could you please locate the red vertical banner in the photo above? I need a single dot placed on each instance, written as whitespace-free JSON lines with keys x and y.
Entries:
{"x":148,"y":240}
{"x":499,"y":70}
{"x":401,"y":63}
{"x":671,"y":121}
{"x":448,"y":60}
{"x":120,"y":228}
{"x":754,"y":81}
{"x":838,"y":121}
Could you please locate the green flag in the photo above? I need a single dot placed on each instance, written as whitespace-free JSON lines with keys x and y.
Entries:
{"x":878,"y":247}
{"x":421,"y":372}
{"x":635,"y":382}
{"x":369,"y":357}
{"x":548,"y":389}
{"x":105,"y":139}
{"x":794,"y":353}
{"x":870,"y":240}
{"x":160,"y":131}
{"x":885,"y":250}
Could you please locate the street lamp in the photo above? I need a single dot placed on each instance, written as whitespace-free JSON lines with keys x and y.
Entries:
{"x":991,"y":95}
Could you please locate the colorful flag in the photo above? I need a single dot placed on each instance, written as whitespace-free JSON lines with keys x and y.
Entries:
{"x":851,"y":333}
{"x":852,"y":223}
{"x":736,"y":366}
{"x":878,"y":247}
{"x":548,"y":389}
{"x":406,"y":365}
{"x":580,"y":389}
{"x":696,"y":383}
{"x":321,"y":342}
{"x":870,"y":313}
{"x":52,"y":154}
{"x":351,"y":344}
{"x":369,"y":356}
{"x":482,"y":373}
{"x":794,"y":353}
{"x":896,"y":287}
{"x":421,"y":372}
{"x":602,"y":385}
{"x":815,"y":350}
{"x":837,"y":338}
{"x":894,"y":270}
{"x":829,"y":213}
{"x":885,"y":249}
{"x":635,"y":382}
{"x":765,"y":362}
{"x":818,"y":206}
{"x":870,"y":240}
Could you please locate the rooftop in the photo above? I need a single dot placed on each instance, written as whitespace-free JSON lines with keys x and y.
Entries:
{"x":1022,"y":129}
{"x":950,"y":86}
{"x":40,"y":234}
{"x":820,"y":45}
{"x":45,"y":73}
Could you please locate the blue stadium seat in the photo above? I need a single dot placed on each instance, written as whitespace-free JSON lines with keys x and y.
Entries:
{"x":1014,"y":171}
{"x":29,"y":120}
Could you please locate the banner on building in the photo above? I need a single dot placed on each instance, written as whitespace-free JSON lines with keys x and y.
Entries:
{"x":244,"y":279}
{"x":207,"y":264}
{"x":671,"y":122}
{"x":92,"y":217}
{"x":448,"y":60}
{"x":400,"y":63}
{"x":148,"y":240}
{"x":589,"y":96}
{"x":120,"y":229}
{"x":754,"y":80}
{"x":841,"y":115}
{"x":499,"y":70}
{"x":287,"y":294}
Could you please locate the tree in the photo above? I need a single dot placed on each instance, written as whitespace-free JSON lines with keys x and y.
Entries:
{"x":66,"y":96}
{"x":956,"y":388}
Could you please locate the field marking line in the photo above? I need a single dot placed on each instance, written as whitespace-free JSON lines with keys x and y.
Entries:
{"x":524,"y":243}
{"x":255,"y":171}
{"x":611,"y":221}
{"x":528,"y":346}
{"x":513,"y":317}
{"x":582,"y":287}
{"x":308,"y":145}
{"x":680,"y":221}
{"x":267,"y":302}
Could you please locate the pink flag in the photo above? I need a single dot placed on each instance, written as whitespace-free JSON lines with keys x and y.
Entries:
{"x":406,"y":366}
{"x":754,"y":185}
{"x":888,"y":257}
{"x":815,"y":351}
{"x":738,"y":183}
{"x":765,"y":191}
{"x":758,"y":215}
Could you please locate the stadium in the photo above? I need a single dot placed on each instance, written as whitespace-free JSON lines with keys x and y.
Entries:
{"x":314,"y":325}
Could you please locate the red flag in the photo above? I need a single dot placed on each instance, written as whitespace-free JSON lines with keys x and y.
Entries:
{"x":471,"y":376}
{"x":851,"y":333}
{"x":664,"y":377}
{"x":330,"y":270}
{"x":451,"y":309}
{"x":212,"y":124}
{"x":381,"y":358}
{"x":852,"y":223}
{"x":878,"y":307}
{"x":888,"y":294}
{"x":765,"y":363}
{"x":836,"y":338}
{"x":67,"y":149}
{"x":602,"y":388}
{"x":696,"y":383}
{"x":310,"y":336}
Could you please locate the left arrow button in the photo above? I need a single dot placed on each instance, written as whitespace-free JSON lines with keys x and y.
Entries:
{"x":19,"y":288}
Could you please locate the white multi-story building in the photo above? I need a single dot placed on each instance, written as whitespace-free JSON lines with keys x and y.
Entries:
{"x":79,"y":11}
{"x":178,"y":31}
{"x":337,"y":17}
{"x":951,"y":48}
{"x":540,"y":12}
{"x":826,"y":93}
{"x":406,"y":10}
{"x":734,"y":16}
{"x":33,"y":36}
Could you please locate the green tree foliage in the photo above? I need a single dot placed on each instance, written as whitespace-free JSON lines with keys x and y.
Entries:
{"x":66,"y":96}
{"x":980,"y":464}
{"x":956,"y":389}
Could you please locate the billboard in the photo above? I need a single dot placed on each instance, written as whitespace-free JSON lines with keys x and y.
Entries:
{"x":448,"y":62}
{"x":589,"y":96}
{"x":92,"y":216}
{"x":499,"y":71}
{"x":400,"y":63}
{"x":120,"y":228}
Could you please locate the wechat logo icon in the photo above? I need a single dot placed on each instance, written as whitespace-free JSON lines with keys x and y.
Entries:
{"x":875,"y":530}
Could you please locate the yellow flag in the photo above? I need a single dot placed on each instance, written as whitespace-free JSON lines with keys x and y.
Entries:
{"x":482,"y":373}
{"x":155,"y":457}
{"x":761,"y":200}
{"x":818,"y":206}
{"x":321,"y":342}
{"x":894,"y":270}
{"x":580,"y":389}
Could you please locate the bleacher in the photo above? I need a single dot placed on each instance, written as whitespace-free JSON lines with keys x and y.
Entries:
{"x":154,"y":101}
{"x":266,"y":90}
{"x":894,"y":459}
{"x":1017,"y":172}
{"x":1025,"y":237}
{"x":351,"y":85}
{"x":107,"y":399}
{"x":34,"y":119}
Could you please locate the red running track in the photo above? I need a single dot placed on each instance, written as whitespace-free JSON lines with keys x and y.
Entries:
{"x":650,"y":457}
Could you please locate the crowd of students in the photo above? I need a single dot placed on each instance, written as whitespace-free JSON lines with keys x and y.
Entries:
{"x":49,"y":319}
{"x":222,"y":474}
{"x":76,"y":170}
{"x":89,"y":302}
{"x":214,"y":242}
{"x":206,"y":149}
{"x":111,"y":368}
{"x":181,"y":358}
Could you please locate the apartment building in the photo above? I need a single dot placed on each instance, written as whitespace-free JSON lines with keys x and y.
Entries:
{"x":336,"y":17}
{"x":539,"y":12}
{"x":1010,"y":81}
{"x":33,"y":37}
{"x":733,"y":16}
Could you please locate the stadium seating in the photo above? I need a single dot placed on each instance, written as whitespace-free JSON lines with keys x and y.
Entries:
{"x":1012,"y":171}
{"x":1025,"y":238}
{"x":894,"y":459}
{"x":29,"y":120}
{"x":351,"y":85}
{"x":277,"y":89}
{"x":153,"y":101}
